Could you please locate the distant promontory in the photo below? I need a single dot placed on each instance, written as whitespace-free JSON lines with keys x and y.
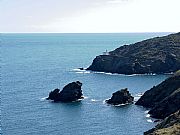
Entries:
{"x":156,"y":55}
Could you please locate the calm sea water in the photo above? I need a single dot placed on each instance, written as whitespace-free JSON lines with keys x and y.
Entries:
{"x":34,"y":64}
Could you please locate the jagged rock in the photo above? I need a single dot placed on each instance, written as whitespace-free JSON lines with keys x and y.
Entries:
{"x":167,"y":106}
{"x":156,"y":55}
{"x":169,"y":126}
{"x":71,"y":92}
{"x":53,"y":95}
{"x":163,"y":99}
{"x":120,"y":97}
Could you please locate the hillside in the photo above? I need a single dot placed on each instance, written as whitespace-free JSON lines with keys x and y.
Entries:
{"x":163,"y":99}
{"x":155,"y":55}
{"x":169,"y":126}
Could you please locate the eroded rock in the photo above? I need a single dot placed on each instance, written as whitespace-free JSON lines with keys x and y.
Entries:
{"x":71,"y":92}
{"x":120,"y":97}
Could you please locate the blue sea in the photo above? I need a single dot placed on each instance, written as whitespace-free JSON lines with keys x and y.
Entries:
{"x":34,"y":64}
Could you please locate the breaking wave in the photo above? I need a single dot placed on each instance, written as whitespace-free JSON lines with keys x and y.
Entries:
{"x":83,"y":71}
{"x":149,"y":120}
{"x":43,"y":99}
{"x":137,"y":96}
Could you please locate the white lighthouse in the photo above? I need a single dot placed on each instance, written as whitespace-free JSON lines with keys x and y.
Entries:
{"x":106,"y":53}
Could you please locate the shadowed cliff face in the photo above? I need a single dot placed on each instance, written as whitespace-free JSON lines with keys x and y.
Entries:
{"x":163,"y":99}
{"x":169,"y":126}
{"x":156,"y":55}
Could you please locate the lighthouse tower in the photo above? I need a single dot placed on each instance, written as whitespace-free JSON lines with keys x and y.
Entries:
{"x":106,"y":53}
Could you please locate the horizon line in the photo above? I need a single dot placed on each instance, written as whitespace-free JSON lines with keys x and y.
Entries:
{"x":80,"y":32}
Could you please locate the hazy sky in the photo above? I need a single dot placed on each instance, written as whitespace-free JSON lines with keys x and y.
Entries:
{"x":74,"y":16}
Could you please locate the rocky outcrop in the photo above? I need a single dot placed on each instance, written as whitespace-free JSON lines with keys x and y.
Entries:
{"x":163,"y":99}
{"x":120,"y":97}
{"x":167,"y":106}
{"x":156,"y":55}
{"x":71,"y":92}
{"x":164,"y":103}
{"x":169,"y":126}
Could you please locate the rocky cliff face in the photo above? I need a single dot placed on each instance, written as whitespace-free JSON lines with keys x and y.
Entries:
{"x":156,"y":55}
{"x":164,"y":98}
{"x":169,"y":126}
{"x":164,"y":101}
{"x":71,"y":92}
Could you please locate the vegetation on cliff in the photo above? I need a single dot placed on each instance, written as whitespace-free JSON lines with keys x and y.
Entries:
{"x":156,"y":55}
{"x":169,"y":126}
{"x":164,"y":103}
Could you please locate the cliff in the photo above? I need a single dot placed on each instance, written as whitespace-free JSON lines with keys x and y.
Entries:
{"x":169,"y":126}
{"x":163,"y":99}
{"x":156,"y":55}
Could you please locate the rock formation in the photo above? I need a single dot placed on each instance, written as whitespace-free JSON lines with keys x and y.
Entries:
{"x":71,"y":92}
{"x":169,"y":126}
{"x":156,"y":55}
{"x":164,"y":103}
{"x":163,"y":99}
{"x":120,"y":97}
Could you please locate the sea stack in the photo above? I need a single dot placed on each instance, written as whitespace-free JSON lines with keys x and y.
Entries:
{"x":71,"y":92}
{"x":120,"y":97}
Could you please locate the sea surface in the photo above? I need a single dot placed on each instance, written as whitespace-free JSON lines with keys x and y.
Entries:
{"x":34,"y":64}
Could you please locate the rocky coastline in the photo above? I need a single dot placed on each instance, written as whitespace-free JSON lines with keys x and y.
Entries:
{"x":169,"y":126}
{"x":157,"y":55}
{"x":163,"y":99}
{"x":164,"y":103}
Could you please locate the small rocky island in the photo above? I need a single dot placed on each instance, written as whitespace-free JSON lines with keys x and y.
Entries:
{"x":120,"y":97}
{"x":71,"y":92}
{"x":164,"y":103}
{"x":157,"y":55}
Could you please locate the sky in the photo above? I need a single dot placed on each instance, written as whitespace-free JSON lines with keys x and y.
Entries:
{"x":89,"y":16}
